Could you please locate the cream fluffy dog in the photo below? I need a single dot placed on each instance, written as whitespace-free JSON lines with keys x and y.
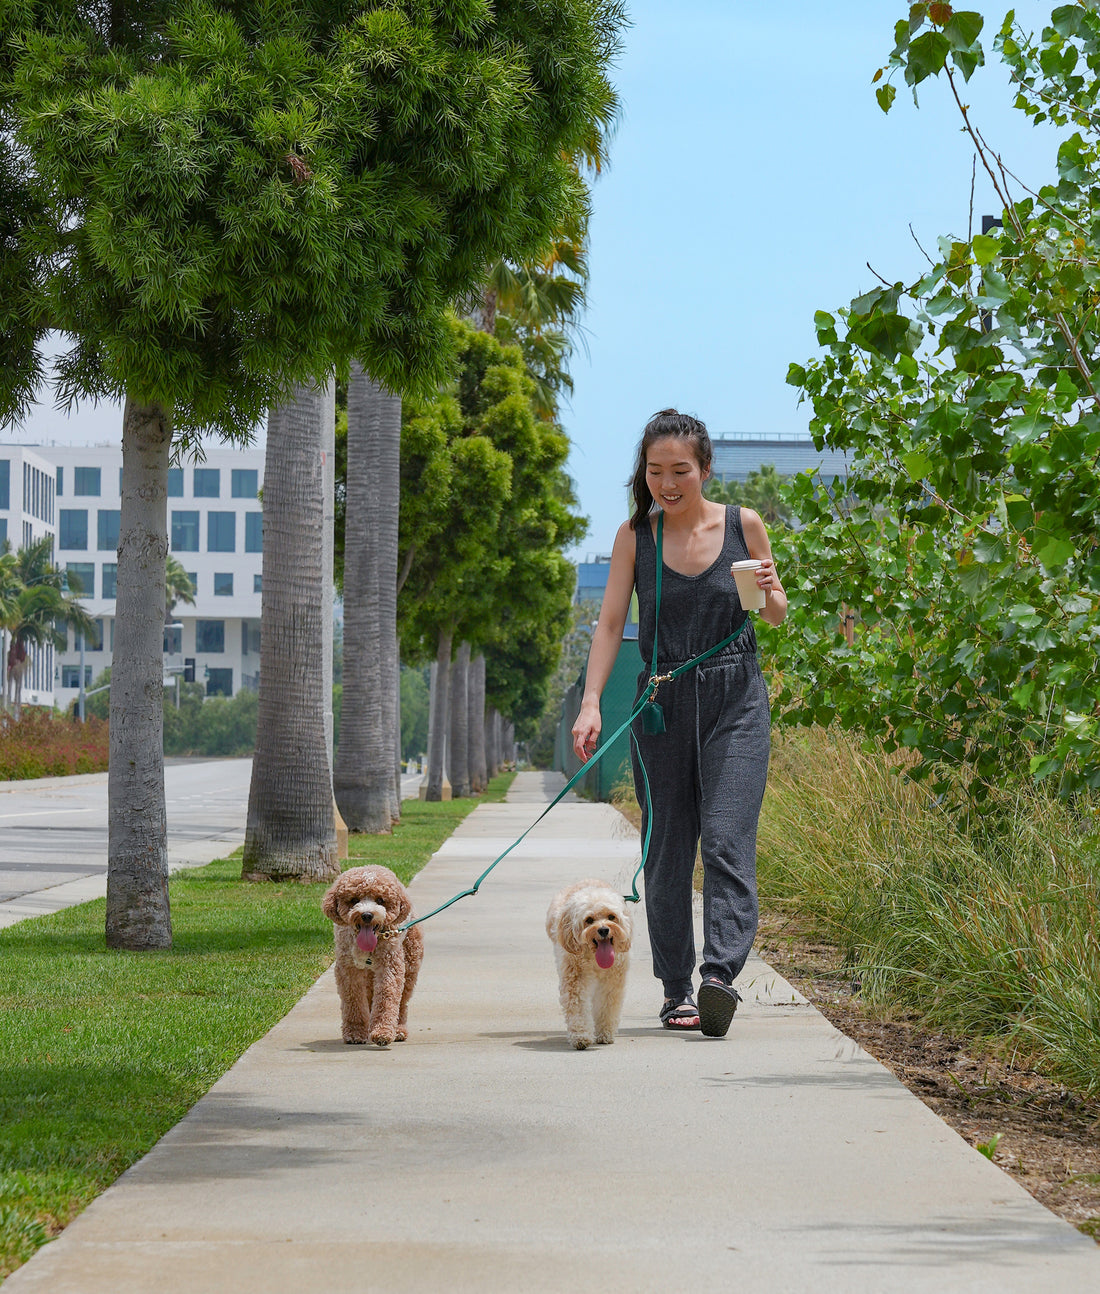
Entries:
{"x":376,"y":964}
{"x":591,"y":930}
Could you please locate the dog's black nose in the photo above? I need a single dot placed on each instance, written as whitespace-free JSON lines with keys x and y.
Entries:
{"x":604,"y":931}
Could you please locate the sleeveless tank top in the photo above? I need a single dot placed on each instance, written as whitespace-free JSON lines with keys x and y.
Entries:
{"x":697,"y":611}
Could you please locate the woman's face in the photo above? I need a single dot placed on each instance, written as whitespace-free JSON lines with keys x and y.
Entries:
{"x":673,"y":474}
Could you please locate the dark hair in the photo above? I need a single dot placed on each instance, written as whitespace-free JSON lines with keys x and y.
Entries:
{"x":669,"y":422}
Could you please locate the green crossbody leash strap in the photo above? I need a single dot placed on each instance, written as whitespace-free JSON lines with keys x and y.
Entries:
{"x":645,"y":703}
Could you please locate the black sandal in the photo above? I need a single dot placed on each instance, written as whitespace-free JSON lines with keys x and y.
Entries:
{"x":673,"y":1014}
{"x":717,"y":1007}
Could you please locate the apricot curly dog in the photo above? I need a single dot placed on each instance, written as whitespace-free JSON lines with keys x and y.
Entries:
{"x":376,"y":964}
{"x":591,"y":932}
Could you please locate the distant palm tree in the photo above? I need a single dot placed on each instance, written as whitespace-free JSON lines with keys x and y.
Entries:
{"x":178,"y":585}
{"x":34,"y":604}
{"x":763,"y":491}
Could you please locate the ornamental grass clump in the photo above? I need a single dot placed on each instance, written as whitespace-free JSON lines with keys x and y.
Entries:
{"x":987,"y":925}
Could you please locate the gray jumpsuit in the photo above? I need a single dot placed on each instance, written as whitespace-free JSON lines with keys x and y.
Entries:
{"x":707,"y":770}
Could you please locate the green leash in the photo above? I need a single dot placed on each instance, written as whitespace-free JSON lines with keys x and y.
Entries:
{"x":651,"y":713}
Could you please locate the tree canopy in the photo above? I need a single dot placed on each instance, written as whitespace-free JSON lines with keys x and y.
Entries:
{"x":215,"y":202}
{"x":487,"y":511}
{"x":967,"y":543}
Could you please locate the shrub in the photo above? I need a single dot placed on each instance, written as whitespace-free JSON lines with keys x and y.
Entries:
{"x":44,"y":744}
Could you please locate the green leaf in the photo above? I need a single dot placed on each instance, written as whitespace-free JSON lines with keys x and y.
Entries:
{"x":1054,"y":552}
{"x":963,"y":28}
{"x":1029,"y":426}
{"x":967,"y":61}
{"x":985,"y":248}
{"x":1066,"y":19}
{"x":927,"y":56}
{"x":917,"y":464}
{"x":885,"y":94}
{"x":1019,"y":511}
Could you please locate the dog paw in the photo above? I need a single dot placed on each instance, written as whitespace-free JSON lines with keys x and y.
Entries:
{"x":354,"y":1039}
{"x":579,"y":1041}
{"x":381,"y":1038}
{"x":402,"y":1035}
{"x":605,"y":1037}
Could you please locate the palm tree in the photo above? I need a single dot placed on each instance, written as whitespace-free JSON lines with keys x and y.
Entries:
{"x":363,"y":775}
{"x":291,"y":829}
{"x":458,"y":754}
{"x":763,"y":491}
{"x":178,"y":586}
{"x":138,"y":912}
{"x":33,"y":604}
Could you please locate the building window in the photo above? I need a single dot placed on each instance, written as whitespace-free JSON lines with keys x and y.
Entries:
{"x":253,"y":532}
{"x":60,"y":482}
{"x":210,"y":635}
{"x":221,"y":532}
{"x":257,"y":584}
{"x":86,"y":480}
{"x":3,"y":529}
{"x":185,"y":532}
{"x":70,"y":676}
{"x":108,"y":529}
{"x":73,"y":528}
{"x":81,"y":578}
{"x":206,"y":483}
{"x":219,"y":682}
{"x":173,"y":640}
{"x":110,"y":580}
{"x":95,"y":639}
{"x":223,"y":584}
{"x":193,"y":576}
{"x":5,"y":483}
{"x":246,"y":482}
{"x":250,"y":637}
{"x":175,"y":482}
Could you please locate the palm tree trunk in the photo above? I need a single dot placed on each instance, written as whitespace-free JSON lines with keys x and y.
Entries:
{"x":138,"y":913}
{"x":460,"y":717}
{"x":291,"y":832}
{"x":364,"y":773}
{"x":398,"y":766}
{"x":492,"y":741}
{"x":437,"y":740}
{"x":479,"y":773}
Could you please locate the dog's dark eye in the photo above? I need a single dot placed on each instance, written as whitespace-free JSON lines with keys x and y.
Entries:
{"x":588,"y":920}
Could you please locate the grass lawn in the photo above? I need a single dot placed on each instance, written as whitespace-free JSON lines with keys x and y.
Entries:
{"x":102,"y":1051}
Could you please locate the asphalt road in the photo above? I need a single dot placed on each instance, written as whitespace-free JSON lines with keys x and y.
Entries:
{"x":55,"y":829}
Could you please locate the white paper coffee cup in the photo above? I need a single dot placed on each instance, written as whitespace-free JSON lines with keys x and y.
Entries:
{"x":752,"y":596}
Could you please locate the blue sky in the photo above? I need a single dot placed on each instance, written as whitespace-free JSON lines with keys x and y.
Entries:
{"x":752,"y":177}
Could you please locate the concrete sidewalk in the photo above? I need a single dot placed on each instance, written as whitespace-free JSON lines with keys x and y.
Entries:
{"x":486,"y":1155}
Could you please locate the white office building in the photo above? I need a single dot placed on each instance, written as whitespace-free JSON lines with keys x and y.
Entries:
{"x":215,"y":531}
{"x":27,"y":513}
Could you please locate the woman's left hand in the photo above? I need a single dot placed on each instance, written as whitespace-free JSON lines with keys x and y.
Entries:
{"x":766,"y":578}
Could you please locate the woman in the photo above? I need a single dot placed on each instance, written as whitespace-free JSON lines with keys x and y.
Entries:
{"x":707,"y":770}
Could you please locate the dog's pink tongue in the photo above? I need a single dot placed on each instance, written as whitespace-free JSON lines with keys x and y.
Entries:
{"x":367,"y":939}
{"x":605,"y":954}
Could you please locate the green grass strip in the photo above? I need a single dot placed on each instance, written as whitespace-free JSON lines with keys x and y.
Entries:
{"x":102,"y":1051}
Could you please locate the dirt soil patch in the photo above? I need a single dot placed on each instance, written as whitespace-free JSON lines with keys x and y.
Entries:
{"x":1045,"y":1137}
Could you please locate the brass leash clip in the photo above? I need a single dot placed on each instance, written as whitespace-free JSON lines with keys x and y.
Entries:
{"x":655,"y":682}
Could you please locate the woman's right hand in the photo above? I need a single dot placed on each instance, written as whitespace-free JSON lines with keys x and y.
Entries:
{"x":586,"y":731}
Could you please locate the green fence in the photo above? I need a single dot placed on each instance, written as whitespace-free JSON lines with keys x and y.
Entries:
{"x":616,"y":704}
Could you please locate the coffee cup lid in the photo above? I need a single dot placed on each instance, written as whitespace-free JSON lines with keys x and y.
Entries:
{"x":753,"y":564}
